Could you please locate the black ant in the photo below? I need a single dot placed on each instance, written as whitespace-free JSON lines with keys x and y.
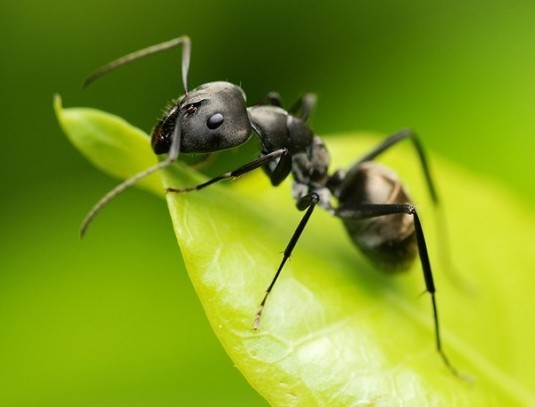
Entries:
{"x":372,"y":202}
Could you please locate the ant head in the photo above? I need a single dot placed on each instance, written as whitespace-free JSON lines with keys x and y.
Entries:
{"x":213,"y":117}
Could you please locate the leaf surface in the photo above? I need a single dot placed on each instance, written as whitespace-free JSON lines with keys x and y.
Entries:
{"x":335,"y":331}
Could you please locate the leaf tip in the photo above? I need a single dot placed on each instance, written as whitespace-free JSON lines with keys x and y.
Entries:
{"x":58,"y":106}
{"x":57,"y":102}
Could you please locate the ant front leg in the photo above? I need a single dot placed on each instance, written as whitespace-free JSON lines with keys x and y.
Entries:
{"x":367,"y":211}
{"x":244,"y":169}
{"x":308,"y":201}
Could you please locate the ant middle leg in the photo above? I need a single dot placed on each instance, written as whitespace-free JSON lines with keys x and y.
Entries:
{"x":304,"y":106}
{"x":301,"y":108}
{"x":307,"y":202}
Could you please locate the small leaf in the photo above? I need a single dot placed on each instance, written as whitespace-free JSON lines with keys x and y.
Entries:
{"x":335,"y":331}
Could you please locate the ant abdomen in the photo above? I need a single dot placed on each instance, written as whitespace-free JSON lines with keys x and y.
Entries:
{"x":389,"y":241}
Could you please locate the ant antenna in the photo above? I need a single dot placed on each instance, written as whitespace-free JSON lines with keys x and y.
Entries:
{"x":174,"y":151}
{"x":186,"y":53}
{"x":176,"y":137}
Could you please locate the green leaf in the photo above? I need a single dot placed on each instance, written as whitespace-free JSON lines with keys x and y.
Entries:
{"x":335,"y":331}
{"x":109,"y":143}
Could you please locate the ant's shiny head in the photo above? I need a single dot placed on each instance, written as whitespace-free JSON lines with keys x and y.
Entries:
{"x":213,"y":117}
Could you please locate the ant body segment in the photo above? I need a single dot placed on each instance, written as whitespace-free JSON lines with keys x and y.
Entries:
{"x":372,"y":202}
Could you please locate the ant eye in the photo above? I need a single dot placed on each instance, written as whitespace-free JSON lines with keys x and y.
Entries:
{"x":214,"y":121}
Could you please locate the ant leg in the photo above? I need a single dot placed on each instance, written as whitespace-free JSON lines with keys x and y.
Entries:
{"x":445,"y":256}
{"x":301,"y":108}
{"x":174,"y":152}
{"x":308,"y":201}
{"x":273,"y":99}
{"x":389,"y":142}
{"x":244,"y":169}
{"x":304,"y":106}
{"x":372,"y":210}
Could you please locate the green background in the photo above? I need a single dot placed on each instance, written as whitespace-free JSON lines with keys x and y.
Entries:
{"x":112,"y":320}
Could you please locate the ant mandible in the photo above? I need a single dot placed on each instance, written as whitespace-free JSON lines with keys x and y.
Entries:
{"x":372,"y":203}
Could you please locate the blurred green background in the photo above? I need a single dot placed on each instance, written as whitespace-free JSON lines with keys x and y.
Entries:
{"x":113,"y":320}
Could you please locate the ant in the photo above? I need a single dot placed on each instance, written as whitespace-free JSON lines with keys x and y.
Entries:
{"x":372,"y":202}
